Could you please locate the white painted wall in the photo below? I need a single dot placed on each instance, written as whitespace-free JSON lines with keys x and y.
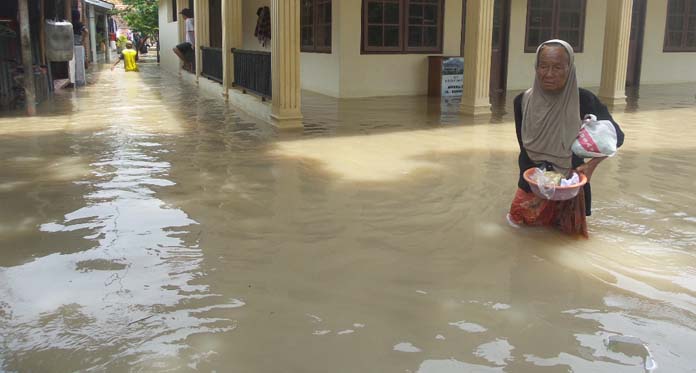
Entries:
{"x":169,"y":37}
{"x":320,"y":72}
{"x":249,"y":18}
{"x":658,"y":66}
{"x":588,"y":63}
{"x":387,"y":74}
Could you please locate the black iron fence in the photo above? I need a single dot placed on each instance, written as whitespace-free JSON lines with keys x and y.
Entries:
{"x":212,"y":63}
{"x":252,"y":71}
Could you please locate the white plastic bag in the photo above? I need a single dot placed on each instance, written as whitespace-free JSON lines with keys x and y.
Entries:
{"x":546,"y":183}
{"x":597,"y":138}
{"x":546,"y":186}
{"x":617,"y":340}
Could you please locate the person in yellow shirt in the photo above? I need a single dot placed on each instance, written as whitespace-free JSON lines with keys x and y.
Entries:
{"x":129,"y":57}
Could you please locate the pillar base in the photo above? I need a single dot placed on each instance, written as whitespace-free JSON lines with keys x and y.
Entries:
{"x":613,"y":101}
{"x":286,"y":115}
{"x":476,"y":110}
{"x":287,"y":124}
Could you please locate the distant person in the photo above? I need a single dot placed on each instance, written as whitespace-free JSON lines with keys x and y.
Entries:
{"x":185,"y":51}
{"x":80,"y":34}
{"x":129,"y":56}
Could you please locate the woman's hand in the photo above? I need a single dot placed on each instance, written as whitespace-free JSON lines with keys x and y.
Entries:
{"x":589,"y":167}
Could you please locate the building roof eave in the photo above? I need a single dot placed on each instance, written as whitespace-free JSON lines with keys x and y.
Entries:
{"x":101,"y":3}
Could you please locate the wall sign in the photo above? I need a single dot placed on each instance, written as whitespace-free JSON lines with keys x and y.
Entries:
{"x":452,"y":76}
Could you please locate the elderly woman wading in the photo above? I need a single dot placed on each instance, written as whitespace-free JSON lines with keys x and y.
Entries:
{"x":547,"y":120}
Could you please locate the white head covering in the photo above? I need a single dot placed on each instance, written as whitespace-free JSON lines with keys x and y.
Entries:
{"x":551,"y":120}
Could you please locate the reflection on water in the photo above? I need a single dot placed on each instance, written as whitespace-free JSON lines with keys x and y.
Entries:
{"x":147,"y":227}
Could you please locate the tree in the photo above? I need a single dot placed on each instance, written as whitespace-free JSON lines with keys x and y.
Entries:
{"x":141,"y":16}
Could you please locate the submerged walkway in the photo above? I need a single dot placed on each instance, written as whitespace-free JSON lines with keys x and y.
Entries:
{"x":147,"y":227}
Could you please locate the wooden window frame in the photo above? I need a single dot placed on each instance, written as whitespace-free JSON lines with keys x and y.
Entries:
{"x":555,"y":20}
{"x":684,"y":32}
{"x":403,"y":47}
{"x":316,"y":24}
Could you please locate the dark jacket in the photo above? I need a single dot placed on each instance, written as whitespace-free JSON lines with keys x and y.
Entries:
{"x":589,"y":104}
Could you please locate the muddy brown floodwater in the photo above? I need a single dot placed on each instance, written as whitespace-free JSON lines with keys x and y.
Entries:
{"x":147,"y":227}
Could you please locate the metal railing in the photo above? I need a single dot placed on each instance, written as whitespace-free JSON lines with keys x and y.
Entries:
{"x":211,"y":63}
{"x":252,"y":71}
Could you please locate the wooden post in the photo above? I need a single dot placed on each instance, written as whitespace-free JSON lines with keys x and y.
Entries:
{"x":25,"y":39}
{"x":42,"y":30}
{"x":68,"y":11}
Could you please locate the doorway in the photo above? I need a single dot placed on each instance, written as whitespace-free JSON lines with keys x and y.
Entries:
{"x":635,"y":44}
{"x":499,"y":44}
{"x":215,"y":23}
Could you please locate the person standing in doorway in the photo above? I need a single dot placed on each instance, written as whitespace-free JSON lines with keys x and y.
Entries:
{"x":129,"y":56}
{"x":185,"y":51}
{"x":78,"y":64}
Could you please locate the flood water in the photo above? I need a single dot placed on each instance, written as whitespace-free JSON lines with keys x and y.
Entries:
{"x":147,"y":227}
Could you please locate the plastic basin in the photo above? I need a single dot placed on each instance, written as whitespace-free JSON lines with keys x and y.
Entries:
{"x":561,"y":193}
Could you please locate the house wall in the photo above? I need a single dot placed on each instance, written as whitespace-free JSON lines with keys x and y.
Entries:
{"x":347,"y":73}
{"x":588,"y":63}
{"x":387,"y":74}
{"x":249,"y":18}
{"x":320,"y":72}
{"x":168,"y":37}
{"x":658,"y":66}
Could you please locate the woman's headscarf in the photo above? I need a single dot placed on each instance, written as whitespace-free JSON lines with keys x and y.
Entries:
{"x":551,"y":120}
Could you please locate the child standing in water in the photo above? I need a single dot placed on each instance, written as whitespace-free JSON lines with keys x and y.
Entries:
{"x":129,"y":56}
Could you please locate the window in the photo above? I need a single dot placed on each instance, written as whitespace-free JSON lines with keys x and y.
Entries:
{"x":174,"y":11}
{"x":315,"y":26}
{"x":680,"y":30}
{"x":555,"y":19}
{"x":402,"y":26}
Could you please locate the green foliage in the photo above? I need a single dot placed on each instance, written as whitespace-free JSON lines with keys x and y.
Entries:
{"x":141,"y":16}
{"x":100,"y":39}
{"x":121,"y":42}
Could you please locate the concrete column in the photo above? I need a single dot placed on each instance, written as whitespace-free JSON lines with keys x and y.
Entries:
{"x":231,"y":38}
{"x":617,"y":32}
{"x":477,"y":57}
{"x":201,"y":22}
{"x":285,"y":61}
{"x":92,"y":33}
{"x":107,"y":51}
